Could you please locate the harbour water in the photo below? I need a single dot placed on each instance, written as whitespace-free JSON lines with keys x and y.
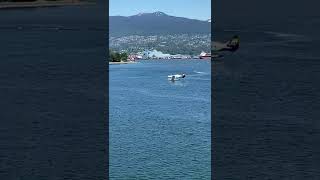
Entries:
{"x":160,"y":129}
{"x":53,"y":77}
{"x":267,"y":99}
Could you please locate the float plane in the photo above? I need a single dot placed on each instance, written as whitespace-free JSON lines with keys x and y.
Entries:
{"x":218,"y":48}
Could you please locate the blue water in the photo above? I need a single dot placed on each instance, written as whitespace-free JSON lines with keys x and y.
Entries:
{"x":53,"y":89}
{"x":160,"y":129}
{"x":267,"y":100}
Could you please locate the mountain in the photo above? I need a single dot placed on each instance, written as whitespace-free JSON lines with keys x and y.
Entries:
{"x":157,"y":23}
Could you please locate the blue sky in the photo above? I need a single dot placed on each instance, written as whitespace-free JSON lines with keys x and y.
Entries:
{"x":195,"y":9}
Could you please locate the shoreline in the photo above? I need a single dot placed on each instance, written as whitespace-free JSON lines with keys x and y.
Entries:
{"x":115,"y":63}
{"x":39,"y":4}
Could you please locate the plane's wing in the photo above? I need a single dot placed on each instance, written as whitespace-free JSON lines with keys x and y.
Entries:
{"x":218,"y":48}
{"x":231,"y":45}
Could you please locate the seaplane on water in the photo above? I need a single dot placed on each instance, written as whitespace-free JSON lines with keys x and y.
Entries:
{"x":176,"y":77}
{"x":218,"y":48}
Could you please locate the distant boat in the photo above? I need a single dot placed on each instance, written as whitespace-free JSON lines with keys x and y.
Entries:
{"x":204,"y":55}
{"x":176,"y":77}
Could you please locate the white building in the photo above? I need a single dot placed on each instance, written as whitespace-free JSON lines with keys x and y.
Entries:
{"x":154,"y":54}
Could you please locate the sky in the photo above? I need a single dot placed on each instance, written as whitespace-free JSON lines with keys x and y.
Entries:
{"x":194,"y":9}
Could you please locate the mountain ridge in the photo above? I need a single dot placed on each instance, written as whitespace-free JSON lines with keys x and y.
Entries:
{"x":156,"y":23}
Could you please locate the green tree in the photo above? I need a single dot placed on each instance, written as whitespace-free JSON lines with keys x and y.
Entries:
{"x":117,"y":57}
{"x":124,"y":57}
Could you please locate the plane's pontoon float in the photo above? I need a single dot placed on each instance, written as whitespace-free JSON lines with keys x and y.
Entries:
{"x":176,"y":77}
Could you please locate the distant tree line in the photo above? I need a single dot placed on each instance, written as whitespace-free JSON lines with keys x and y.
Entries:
{"x":117,"y":57}
{"x":170,"y":49}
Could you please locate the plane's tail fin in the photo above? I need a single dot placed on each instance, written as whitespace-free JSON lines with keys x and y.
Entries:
{"x":234,"y":43}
